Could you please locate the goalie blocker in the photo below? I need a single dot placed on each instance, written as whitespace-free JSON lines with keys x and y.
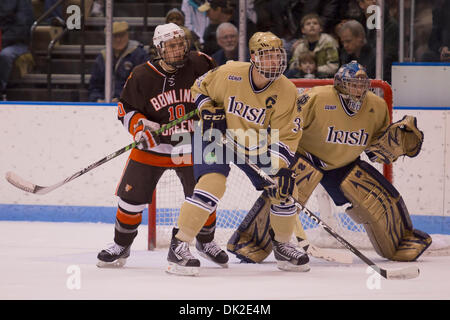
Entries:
{"x":375,"y":203}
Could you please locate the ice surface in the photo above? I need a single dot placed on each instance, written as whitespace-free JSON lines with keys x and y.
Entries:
{"x":42,"y":260}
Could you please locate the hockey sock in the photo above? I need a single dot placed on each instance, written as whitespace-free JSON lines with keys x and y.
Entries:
{"x":196,"y":210}
{"x":128,"y":219}
{"x":206,"y":233}
{"x":283,"y":226}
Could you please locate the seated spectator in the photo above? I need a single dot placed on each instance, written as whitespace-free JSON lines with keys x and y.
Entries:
{"x":218,"y":11}
{"x":327,"y":10}
{"x":439,"y":41}
{"x":16,"y":18}
{"x":176,"y":16}
{"x":391,"y":35}
{"x":306,"y":67}
{"x":355,"y":46}
{"x":195,"y":20}
{"x":227,"y":38}
{"x":322,"y":45}
{"x":126,"y":55}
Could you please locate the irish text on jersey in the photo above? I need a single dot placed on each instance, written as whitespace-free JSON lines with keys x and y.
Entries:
{"x":352,"y":138}
{"x":251,"y":114}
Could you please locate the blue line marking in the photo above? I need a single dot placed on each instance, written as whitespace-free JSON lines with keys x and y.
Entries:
{"x":421,"y":108}
{"x":168,"y":216}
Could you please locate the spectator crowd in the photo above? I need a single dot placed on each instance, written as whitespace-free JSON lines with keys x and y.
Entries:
{"x":318,"y":35}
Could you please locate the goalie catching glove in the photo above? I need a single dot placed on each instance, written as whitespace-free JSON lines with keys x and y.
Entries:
{"x":144,"y":134}
{"x":400,"y":138}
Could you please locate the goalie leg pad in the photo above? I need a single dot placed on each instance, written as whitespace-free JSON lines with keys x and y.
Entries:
{"x":251,"y":241}
{"x":380,"y":208}
{"x":307,"y":178}
{"x":412,"y":245}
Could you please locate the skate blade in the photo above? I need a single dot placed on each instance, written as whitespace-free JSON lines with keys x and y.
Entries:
{"x":287,"y":266}
{"x":176,"y":269}
{"x":204,"y":255}
{"x":119,"y":263}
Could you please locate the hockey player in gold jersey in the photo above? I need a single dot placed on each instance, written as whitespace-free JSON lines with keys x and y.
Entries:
{"x":342,"y":121}
{"x":241,"y":101}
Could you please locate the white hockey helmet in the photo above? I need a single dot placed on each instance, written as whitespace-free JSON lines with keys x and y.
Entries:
{"x":171,"y":43}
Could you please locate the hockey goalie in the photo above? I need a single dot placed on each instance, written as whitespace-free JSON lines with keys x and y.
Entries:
{"x":341,"y":122}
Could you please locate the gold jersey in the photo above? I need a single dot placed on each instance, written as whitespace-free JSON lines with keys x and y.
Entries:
{"x":250,"y":111}
{"x":333,"y":136}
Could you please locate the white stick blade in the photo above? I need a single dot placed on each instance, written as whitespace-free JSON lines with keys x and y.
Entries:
{"x":403,"y":274}
{"x":330,"y":255}
{"x":20,"y":183}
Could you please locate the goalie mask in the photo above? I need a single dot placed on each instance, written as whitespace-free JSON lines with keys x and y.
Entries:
{"x":268,"y":55}
{"x":171,"y":43}
{"x":352,"y":83}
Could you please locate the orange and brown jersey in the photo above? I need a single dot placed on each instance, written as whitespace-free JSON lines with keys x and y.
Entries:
{"x":151,"y":92}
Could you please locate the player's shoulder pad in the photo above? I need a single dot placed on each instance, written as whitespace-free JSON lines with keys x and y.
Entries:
{"x":375,"y":99}
{"x":197,"y":57}
{"x":148,"y":68}
{"x":304,"y":96}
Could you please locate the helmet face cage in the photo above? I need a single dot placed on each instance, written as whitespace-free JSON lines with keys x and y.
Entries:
{"x":271,"y":63}
{"x":270,"y":58}
{"x":171,"y":44}
{"x":352,"y":83}
{"x":174,"y":51}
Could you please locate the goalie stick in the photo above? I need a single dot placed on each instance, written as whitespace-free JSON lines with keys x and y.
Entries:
{"x":28,"y":186}
{"x":397,"y":274}
{"x":317,"y":252}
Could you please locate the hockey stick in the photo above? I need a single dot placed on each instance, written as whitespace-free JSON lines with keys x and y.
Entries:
{"x":403,"y":273}
{"x":317,"y":252}
{"x":25,"y":185}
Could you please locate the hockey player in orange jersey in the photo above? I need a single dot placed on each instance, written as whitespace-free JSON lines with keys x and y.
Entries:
{"x":156,"y":93}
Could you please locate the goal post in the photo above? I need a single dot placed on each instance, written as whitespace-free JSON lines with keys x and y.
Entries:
{"x":240,"y":195}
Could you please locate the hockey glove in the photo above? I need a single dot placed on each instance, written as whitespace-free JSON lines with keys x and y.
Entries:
{"x":213,"y":120}
{"x":400,"y":138}
{"x":144,"y":134}
{"x":279,"y":194}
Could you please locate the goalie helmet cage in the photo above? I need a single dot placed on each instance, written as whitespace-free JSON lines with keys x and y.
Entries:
{"x":164,"y":209}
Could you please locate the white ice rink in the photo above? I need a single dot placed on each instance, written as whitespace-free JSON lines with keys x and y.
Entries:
{"x":42,"y":260}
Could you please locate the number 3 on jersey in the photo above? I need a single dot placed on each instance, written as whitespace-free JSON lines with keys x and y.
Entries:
{"x":297,"y":123}
{"x":176,"y":112}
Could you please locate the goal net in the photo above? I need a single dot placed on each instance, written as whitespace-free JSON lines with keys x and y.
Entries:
{"x":240,"y":195}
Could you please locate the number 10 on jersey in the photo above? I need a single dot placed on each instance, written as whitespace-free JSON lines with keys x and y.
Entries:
{"x":176,"y":112}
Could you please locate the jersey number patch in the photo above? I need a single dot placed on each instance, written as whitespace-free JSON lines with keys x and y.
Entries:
{"x":297,"y":122}
{"x":176,"y":112}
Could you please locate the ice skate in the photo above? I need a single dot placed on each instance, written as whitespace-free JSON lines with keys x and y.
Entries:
{"x":181,"y":261}
{"x":212,"y":252}
{"x":114,"y":256}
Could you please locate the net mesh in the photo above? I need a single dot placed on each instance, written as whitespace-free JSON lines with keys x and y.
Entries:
{"x":240,"y":196}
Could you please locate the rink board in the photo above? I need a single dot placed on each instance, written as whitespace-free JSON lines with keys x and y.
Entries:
{"x":47,"y":142}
